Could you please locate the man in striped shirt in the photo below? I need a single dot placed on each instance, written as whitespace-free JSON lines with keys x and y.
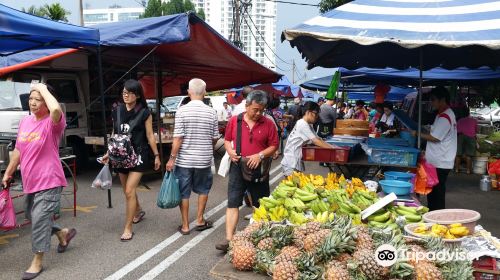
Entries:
{"x":195,"y":134}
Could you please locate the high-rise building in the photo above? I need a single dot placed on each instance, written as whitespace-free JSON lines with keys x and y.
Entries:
{"x":257,"y":30}
{"x":96,"y":16}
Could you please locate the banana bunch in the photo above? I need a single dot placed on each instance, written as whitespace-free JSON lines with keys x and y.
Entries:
{"x":363,"y":198}
{"x":260,"y":214}
{"x":278,"y":214}
{"x":283,"y":191}
{"x":332,"y":181}
{"x":452,"y":231}
{"x":382,"y":219}
{"x":318,"y":181}
{"x":294,"y":204}
{"x":354,"y":185}
{"x":299,"y":178}
{"x":305,"y":195}
{"x":319,"y":206}
{"x":324,"y":217}
{"x":411,"y":214}
{"x":297,"y":218}
{"x":340,"y":199}
{"x":270,"y":203}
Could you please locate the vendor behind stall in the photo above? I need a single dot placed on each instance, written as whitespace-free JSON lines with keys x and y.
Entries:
{"x":388,"y":124}
{"x":467,"y":129}
{"x":301,"y":134}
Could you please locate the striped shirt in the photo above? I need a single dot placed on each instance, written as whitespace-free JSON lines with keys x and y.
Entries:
{"x":197,"y":125}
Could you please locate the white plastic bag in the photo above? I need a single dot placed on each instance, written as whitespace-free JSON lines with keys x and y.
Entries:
{"x":104,"y":180}
{"x":225,"y":163}
{"x":213,"y":166}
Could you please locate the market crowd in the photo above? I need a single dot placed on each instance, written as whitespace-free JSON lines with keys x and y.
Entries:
{"x":253,"y":138}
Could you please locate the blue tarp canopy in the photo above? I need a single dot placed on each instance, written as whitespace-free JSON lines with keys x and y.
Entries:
{"x":21,"y":31}
{"x":411,"y":76}
{"x":283,"y":87}
{"x":402,"y":34}
{"x":395,"y":94}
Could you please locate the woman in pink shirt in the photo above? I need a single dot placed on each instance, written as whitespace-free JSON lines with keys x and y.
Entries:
{"x":37,"y":151}
{"x":467,"y":130}
{"x":360,"y":113}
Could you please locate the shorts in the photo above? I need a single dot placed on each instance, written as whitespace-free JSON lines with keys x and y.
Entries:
{"x":466,"y":146}
{"x":40,"y":207}
{"x":198,"y":180}
{"x":237,"y":186}
{"x":145,"y":162}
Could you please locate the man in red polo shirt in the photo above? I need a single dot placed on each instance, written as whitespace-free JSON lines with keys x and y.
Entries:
{"x":259,"y":140}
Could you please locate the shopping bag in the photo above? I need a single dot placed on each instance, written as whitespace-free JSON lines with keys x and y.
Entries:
{"x":212,"y":167}
{"x":225,"y":164}
{"x":170,"y":194}
{"x":432,"y":177}
{"x":7,"y":212}
{"x":494,"y":168}
{"x":104,"y":180}
{"x":421,"y":186}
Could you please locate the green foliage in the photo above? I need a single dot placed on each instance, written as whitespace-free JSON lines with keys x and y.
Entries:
{"x":54,"y":12}
{"x":33,"y":11}
{"x":156,"y":8}
{"x":327,"y":5}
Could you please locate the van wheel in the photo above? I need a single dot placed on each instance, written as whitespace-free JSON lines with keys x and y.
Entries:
{"x":497,"y":126}
{"x":80,"y":151}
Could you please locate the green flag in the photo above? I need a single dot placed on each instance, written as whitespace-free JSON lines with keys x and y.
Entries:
{"x":334,"y":86}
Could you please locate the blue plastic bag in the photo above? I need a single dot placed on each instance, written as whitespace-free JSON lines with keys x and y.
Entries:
{"x":170,"y":194}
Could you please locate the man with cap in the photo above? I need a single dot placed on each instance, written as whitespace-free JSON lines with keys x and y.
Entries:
{"x":327,"y":117}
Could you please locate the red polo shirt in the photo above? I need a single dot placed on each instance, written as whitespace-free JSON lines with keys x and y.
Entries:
{"x":262,"y":136}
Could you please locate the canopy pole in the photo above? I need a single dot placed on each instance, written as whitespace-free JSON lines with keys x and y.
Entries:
{"x":103,"y":107}
{"x":421,"y":59}
{"x":159,"y":95}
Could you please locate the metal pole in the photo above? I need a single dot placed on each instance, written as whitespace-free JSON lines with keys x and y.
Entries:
{"x":421,"y":58}
{"x":159,"y":95}
{"x":103,"y":107}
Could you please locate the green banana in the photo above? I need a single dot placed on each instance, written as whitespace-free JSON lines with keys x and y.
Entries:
{"x":303,"y":192}
{"x":422,"y":210}
{"x":408,"y":209}
{"x":380,"y":218}
{"x":403,"y":212}
{"x":354,"y":207}
{"x":307,"y":198}
{"x":413,"y":218}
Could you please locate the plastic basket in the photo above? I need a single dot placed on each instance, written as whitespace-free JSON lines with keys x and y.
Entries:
{"x":468,"y":218}
{"x":388,"y":142}
{"x":395,"y":186}
{"x":313,"y":153}
{"x":400,"y":156}
{"x":401,"y":176}
{"x":355,"y":147}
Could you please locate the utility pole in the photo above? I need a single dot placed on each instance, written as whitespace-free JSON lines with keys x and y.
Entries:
{"x":81,"y":12}
{"x":293,"y":71}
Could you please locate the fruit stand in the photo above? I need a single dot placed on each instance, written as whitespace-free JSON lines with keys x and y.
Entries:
{"x":312,"y":227}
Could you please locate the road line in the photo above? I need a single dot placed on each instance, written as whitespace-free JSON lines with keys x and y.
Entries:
{"x":275,"y":169}
{"x":275,"y":179}
{"x":166,"y":263}
{"x":158,"y":248}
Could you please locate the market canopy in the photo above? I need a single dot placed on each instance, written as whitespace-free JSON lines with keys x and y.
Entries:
{"x":396,"y":94}
{"x":20,"y":32}
{"x":402,"y":34}
{"x":411,"y":76}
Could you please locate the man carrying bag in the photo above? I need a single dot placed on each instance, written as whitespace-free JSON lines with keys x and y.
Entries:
{"x":255,"y":141}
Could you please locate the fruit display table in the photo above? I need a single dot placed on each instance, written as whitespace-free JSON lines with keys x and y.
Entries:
{"x":360,"y":167}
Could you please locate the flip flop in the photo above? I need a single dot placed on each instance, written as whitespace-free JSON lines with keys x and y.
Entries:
{"x":30,"y":275}
{"x":179,"y":229}
{"x":139,"y":217}
{"x":62,"y":248}
{"x":127,"y":239}
{"x":207,"y":225}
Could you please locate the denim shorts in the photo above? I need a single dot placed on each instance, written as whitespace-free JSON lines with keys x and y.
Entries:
{"x":237,"y":186}
{"x":198,"y":180}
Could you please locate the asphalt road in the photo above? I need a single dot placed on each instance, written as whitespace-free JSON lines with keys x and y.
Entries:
{"x":157,"y":250}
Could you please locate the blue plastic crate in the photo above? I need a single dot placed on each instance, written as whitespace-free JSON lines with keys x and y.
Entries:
{"x":388,"y":141}
{"x":401,"y":156}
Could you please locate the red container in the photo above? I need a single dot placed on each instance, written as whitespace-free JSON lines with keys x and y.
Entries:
{"x":337,"y":155}
{"x":487,"y":263}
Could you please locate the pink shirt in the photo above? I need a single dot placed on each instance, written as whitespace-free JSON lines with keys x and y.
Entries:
{"x":467,"y":126}
{"x":38,"y":143}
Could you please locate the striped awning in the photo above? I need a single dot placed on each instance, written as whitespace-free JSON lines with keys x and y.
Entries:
{"x":391,"y":33}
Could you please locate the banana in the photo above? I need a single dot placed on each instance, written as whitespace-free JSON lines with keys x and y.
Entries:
{"x":354,"y":207}
{"x":422,"y":210}
{"x":412,"y":210}
{"x":380,"y":218}
{"x":459,"y":231}
{"x":455,"y":225}
{"x":289,"y":183}
{"x":403,"y":212}
{"x":413,"y":218}
{"x":289,"y":203}
{"x":308,"y":198}
{"x":345,"y":208}
{"x":301,"y":192}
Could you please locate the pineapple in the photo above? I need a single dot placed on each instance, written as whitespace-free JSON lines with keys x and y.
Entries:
{"x":364,"y":239}
{"x":415,"y":249}
{"x":288,"y":254}
{"x":241,"y":236}
{"x":365,"y":260}
{"x":265,"y":244}
{"x":427,"y":271}
{"x":261,"y":233}
{"x":336,"y":270}
{"x":253,"y":227}
{"x":264,"y":262}
{"x":312,"y":241}
{"x":312,"y":227}
{"x":282,"y":236}
{"x":243,"y":256}
{"x":306,"y":264}
{"x":285,"y":271}
{"x":298,"y":237}
{"x":457,"y":270}
{"x":343,"y":258}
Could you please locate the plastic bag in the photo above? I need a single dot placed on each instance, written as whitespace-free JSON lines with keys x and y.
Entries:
{"x":225,"y":164}
{"x":212,"y":167}
{"x":170,"y":194}
{"x":7,"y":212}
{"x":421,"y":186}
{"x":494,"y":168}
{"x":432,"y":177}
{"x":104,"y":180}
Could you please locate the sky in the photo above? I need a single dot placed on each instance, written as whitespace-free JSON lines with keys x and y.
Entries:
{"x":288,"y":17}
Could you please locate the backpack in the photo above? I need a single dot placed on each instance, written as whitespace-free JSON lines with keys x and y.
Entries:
{"x":120,"y":149}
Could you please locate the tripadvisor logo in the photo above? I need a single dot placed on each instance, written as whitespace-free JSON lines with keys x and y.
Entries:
{"x":386,"y":255}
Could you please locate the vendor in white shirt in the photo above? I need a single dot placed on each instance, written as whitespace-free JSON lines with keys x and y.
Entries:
{"x":388,"y":124}
{"x":242,"y":107}
{"x":441,"y":145}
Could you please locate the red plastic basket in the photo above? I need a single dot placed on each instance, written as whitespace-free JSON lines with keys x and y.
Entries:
{"x":337,"y":155}
{"x":487,"y":263}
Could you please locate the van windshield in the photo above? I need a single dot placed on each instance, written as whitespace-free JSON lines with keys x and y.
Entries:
{"x":14,"y":91}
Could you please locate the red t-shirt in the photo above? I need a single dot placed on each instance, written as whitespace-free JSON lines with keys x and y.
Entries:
{"x":262,"y":136}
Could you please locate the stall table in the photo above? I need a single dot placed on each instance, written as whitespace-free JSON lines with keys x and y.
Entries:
{"x":360,"y":167}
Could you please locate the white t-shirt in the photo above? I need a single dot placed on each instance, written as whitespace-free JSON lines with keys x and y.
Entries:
{"x":389,"y":121}
{"x":240,"y":108}
{"x":442,"y":154}
{"x":301,"y":134}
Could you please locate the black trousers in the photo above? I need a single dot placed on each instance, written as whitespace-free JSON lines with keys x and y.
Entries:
{"x":436,"y":199}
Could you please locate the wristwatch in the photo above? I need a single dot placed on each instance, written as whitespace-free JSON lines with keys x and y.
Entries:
{"x":261,"y":156}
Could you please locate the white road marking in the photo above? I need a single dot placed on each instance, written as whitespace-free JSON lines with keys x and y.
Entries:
{"x":275,"y":179}
{"x":158,"y":248}
{"x":175,"y":256}
{"x":275,"y":169}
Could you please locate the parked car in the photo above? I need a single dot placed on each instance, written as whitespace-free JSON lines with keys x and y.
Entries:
{"x":488,"y":116}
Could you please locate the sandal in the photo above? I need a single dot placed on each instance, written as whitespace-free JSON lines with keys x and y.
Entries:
{"x":179,"y":229}
{"x":139,"y":217}
{"x":62,"y":248}
{"x":124,"y":239}
{"x":31,"y":275}
{"x":206,"y":225}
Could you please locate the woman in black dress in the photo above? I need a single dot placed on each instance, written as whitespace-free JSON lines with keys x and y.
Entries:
{"x":143,"y":141}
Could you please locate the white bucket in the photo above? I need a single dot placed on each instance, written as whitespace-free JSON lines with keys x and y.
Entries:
{"x":480,"y":164}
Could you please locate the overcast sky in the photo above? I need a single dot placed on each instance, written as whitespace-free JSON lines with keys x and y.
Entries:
{"x":288,"y":16}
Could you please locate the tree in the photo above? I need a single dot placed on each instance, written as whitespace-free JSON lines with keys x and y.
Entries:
{"x":327,"y":5}
{"x":154,"y":8}
{"x":34,"y":11}
{"x":201,"y":14}
{"x":55,"y":12}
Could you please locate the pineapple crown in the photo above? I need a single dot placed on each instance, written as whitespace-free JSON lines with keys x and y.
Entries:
{"x":282,"y":236}
{"x":309,"y":270}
